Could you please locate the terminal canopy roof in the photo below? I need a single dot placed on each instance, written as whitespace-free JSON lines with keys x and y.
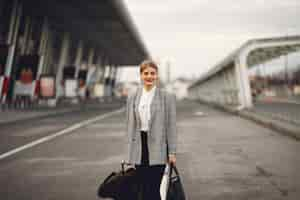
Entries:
{"x":106,"y":24}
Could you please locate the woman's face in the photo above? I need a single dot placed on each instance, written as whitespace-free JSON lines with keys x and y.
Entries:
{"x":149,"y":76}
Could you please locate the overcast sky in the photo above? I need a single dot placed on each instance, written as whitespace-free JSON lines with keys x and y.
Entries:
{"x":196,"y":34}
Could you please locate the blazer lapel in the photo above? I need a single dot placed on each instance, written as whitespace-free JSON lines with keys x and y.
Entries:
{"x":136,"y":103}
{"x":153,"y":105}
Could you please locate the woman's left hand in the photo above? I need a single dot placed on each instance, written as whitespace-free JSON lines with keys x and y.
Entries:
{"x":172,"y":159}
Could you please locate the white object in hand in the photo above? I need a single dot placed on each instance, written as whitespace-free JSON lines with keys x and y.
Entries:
{"x":165,"y":183}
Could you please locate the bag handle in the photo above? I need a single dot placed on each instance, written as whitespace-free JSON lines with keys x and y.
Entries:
{"x":109,"y":177}
{"x":173,"y":167}
{"x":123,"y":163}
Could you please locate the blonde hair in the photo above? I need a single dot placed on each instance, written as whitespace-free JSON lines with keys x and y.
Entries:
{"x":148,"y":63}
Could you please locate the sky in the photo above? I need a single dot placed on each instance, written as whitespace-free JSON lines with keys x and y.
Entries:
{"x":194,"y":35}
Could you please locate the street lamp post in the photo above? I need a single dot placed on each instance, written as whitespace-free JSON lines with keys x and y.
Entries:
{"x":289,"y":30}
{"x":286,"y":69}
{"x":168,"y":71}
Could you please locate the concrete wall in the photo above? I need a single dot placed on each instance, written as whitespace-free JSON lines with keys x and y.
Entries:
{"x":221,"y":88}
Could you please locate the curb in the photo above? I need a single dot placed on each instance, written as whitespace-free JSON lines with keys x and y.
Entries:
{"x":44,"y":116}
{"x":273,"y":124}
{"x":39,"y":116}
{"x":276,"y":125}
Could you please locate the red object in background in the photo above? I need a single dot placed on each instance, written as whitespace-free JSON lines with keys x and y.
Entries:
{"x":37,"y":87}
{"x":5,"y":85}
{"x":81,"y":83}
{"x":47,"y":86}
{"x":26,"y":76}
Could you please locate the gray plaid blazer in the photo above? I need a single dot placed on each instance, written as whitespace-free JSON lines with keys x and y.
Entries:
{"x":162,"y":134}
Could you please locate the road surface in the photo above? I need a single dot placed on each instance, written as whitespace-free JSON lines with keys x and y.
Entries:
{"x":220,"y":157}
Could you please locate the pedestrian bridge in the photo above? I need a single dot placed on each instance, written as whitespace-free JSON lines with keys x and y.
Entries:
{"x":230,"y":83}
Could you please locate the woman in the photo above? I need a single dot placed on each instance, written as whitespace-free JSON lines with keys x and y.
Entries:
{"x":151,"y":129}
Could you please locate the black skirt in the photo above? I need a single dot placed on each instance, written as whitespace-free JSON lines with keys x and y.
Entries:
{"x":149,"y":176}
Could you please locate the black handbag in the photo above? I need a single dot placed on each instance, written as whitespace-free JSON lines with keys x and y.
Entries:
{"x":175,"y":189}
{"x":120,"y":185}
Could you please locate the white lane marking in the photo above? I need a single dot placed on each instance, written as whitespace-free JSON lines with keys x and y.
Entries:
{"x":47,"y":159}
{"x":60,"y":133}
{"x":199,"y":113}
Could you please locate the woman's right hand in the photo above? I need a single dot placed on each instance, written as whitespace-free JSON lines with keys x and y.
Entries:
{"x":127,"y":165}
{"x":172,"y":159}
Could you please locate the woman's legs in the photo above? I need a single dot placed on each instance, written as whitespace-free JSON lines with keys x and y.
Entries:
{"x":153,"y":178}
{"x":145,"y":150}
{"x":149,"y":176}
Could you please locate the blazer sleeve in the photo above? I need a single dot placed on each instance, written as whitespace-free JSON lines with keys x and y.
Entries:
{"x":171,"y":123}
{"x":129,"y":109}
{"x":128,"y":124}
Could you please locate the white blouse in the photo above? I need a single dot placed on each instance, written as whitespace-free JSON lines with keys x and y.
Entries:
{"x":144,"y":107}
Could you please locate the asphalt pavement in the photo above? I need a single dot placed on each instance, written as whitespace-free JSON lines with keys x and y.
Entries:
{"x":220,"y":156}
{"x":289,"y":112}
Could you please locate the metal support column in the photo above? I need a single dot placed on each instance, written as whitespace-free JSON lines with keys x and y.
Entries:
{"x":107,"y":80}
{"x":113,"y":80}
{"x":42,"y":52}
{"x":103,"y":68}
{"x":11,"y":40}
{"x":26,"y":35}
{"x":99,"y":86}
{"x":99,"y":69}
{"x":61,"y":63}
{"x":91,"y":56}
{"x":78,"y":59}
{"x":244,"y":90}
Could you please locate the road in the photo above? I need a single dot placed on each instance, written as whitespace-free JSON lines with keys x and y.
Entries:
{"x":220,"y":156}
